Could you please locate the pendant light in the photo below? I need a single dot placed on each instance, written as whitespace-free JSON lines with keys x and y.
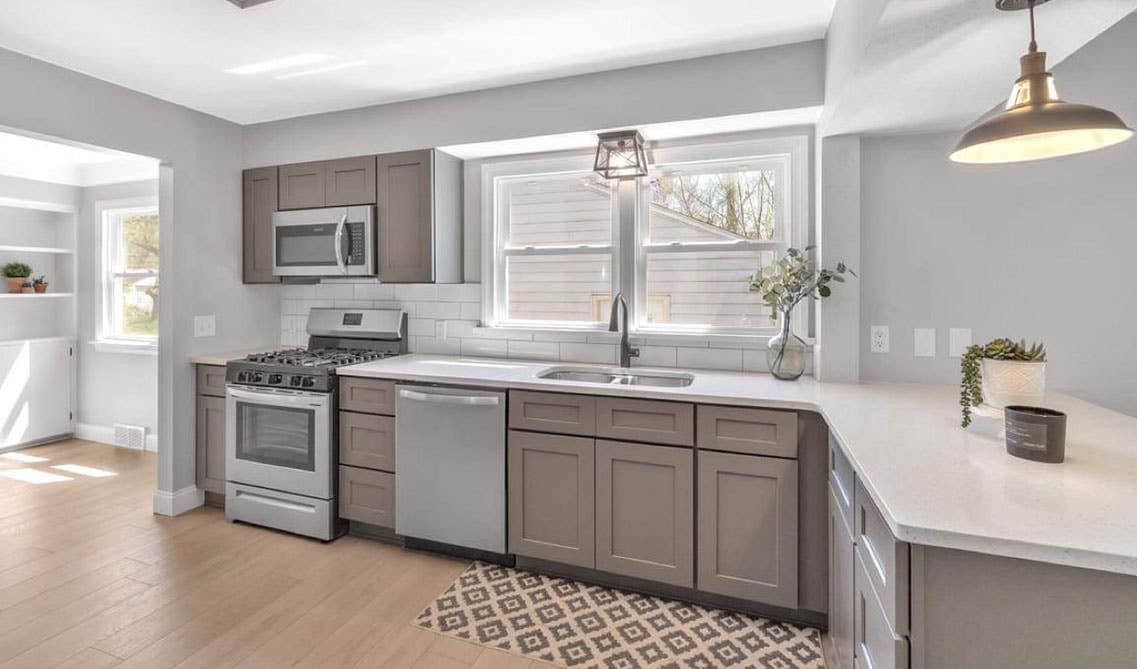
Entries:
{"x":1036,"y":123}
{"x":621,"y":155}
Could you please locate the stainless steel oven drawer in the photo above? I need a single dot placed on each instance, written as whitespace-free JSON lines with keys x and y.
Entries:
{"x":280,"y":510}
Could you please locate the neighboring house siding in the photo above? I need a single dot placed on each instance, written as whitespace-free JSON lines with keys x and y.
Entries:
{"x":696,"y":288}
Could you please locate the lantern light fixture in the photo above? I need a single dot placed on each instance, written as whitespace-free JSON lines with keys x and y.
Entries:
{"x":621,"y":155}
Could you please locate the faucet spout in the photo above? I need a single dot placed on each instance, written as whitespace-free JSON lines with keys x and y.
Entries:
{"x":618,"y":322}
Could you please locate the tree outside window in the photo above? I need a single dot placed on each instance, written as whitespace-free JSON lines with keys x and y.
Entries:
{"x":130,"y":287}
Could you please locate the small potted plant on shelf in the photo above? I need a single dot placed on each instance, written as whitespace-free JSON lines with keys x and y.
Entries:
{"x":1000,"y":373}
{"x":39,"y":284}
{"x":17,"y":274}
{"x":782,"y":284}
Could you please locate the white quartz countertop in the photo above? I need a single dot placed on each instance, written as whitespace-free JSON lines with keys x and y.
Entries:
{"x":935,"y":483}
{"x":223,"y":358}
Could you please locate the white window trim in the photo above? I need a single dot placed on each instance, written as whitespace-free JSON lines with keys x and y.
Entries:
{"x":793,"y":145}
{"x":104,"y":342}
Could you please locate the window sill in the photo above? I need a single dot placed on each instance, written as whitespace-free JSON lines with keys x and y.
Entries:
{"x":133,"y":348}
{"x":756,"y":340}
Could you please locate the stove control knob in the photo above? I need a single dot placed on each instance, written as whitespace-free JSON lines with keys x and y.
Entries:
{"x":275,"y":379}
{"x":294,"y":381}
{"x":257,"y":377}
{"x":243,"y":377}
{"x":309,"y":382}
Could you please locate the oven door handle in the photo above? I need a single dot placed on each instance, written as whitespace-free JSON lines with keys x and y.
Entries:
{"x":468,"y":400}
{"x":339,"y":244}
{"x":278,"y":399}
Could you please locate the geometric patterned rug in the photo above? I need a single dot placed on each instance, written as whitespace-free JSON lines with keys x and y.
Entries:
{"x":574,"y":624}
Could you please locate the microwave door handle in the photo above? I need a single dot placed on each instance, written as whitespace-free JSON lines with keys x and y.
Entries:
{"x":339,"y":244}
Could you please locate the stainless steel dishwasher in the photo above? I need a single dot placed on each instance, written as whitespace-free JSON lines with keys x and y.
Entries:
{"x":450,"y":466}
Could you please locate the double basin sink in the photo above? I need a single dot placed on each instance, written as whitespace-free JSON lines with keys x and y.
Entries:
{"x":616,"y":377}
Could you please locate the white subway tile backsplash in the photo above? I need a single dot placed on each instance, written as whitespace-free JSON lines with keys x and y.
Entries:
{"x":597,"y":353}
{"x":493,"y":348}
{"x":470,"y":292}
{"x":472,"y":310}
{"x":709,"y":358}
{"x":374,"y":291}
{"x":341,"y":291}
{"x":493,"y":333}
{"x":437,"y":310}
{"x":655,"y":356}
{"x":298,"y":291}
{"x":534,"y":350}
{"x":421,"y":327}
{"x":461,"y":329}
{"x":437,"y":346}
{"x":416,"y":291}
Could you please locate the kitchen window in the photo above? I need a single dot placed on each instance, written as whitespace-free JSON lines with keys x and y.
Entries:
{"x":681,"y":243}
{"x":129,"y":276}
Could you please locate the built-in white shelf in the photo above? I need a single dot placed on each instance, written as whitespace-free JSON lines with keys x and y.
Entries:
{"x":34,"y":249}
{"x":34,"y":296}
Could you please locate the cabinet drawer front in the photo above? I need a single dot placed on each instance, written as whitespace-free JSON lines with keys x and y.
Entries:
{"x":211,"y":380}
{"x":367,"y":441}
{"x":885,"y":559}
{"x":350,"y":181}
{"x":841,"y":593}
{"x":646,"y":420}
{"x":841,"y":480}
{"x":367,"y":496}
{"x":645,"y":511}
{"x":302,"y":185}
{"x":367,"y":395}
{"x":552,"y":412}
{"x":876,"y":644}
{"x":748,"y":527}
{"x":552,"y":497}
{"x":750,"y":431}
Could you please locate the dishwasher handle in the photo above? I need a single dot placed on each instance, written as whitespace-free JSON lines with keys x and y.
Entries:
{"x":467,"y":400}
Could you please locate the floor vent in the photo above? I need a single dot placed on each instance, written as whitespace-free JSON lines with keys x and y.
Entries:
{"x":130,"y":436}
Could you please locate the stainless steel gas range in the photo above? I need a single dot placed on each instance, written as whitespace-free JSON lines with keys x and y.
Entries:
{"x":281,"y":427}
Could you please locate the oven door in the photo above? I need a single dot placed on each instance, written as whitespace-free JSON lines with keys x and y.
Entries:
{"x":279,"y":439}
{"x":336,"y":241}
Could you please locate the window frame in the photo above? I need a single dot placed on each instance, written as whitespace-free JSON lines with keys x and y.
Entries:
{"x":791,"y":148}
{"x":111,"y":213}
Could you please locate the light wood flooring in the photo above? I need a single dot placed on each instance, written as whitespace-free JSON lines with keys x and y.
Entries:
{"x":90,"y":578}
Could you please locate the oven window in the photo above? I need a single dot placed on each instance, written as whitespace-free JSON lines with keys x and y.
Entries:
{"x":302,"y":245}
{"x":276,"y":436}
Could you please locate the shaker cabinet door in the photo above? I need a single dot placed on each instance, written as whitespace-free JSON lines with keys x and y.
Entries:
{"x":406,"y":217}
{"x":303,"y":185}
{"x":259,"y":204}
{"x":747,"y":534}
{"x":211,"y":444}
{"x":350,"y":181}
{"x":552,"y":497}
{"x":841,"y":594}
{"x":645,"y":511}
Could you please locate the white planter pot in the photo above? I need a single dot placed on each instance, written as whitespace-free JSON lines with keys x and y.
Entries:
{"x":1008,"y":382}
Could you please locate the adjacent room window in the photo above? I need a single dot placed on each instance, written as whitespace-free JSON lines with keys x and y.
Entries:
{"x":694,"y":231}
{"x":554,"y":249}
{"x":129,"y":287}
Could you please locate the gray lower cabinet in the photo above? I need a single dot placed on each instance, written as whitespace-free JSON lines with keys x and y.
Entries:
{"x":551,"y":489}
{"x":420,"y":217}
{"x":645,"y":511}
{"x":748,"y":527}
{"x":367,"y":441}
{"x":210,"y":428}
{"x":841,"y":594}
{"x":876,"y":645}
{"x":260,"y":195}
{"x":367,"y":496}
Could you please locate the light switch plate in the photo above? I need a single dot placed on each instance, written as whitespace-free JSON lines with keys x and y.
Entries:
{"x":924,"y":342}
{"x":878,"y":339}
{"x":958,"y":341}
{"x":204,"y":326}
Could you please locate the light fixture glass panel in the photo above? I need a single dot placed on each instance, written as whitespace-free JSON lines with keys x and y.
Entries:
{"x":621,"y":155}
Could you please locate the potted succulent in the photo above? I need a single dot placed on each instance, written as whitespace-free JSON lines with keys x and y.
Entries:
{"x":1000,"y":373}
{"x":17,"y":274}
{"x":782,"y":284}
{"x":39,"y":284}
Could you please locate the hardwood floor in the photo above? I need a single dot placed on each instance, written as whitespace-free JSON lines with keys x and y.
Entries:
{"x":90,"y":578}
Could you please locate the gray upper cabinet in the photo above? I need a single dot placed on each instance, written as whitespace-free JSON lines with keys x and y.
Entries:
{"x":645,"y":511}
{"x":303,"y":185}
{"x":259,"y":204}
{"x":350,"y":181}
{"x":748,"y":527}
{"x":551,"y":486}
{"x":420,"y":218}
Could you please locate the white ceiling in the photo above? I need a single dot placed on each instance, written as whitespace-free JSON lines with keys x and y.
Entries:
{"x":45,"y":159}
{"x":179,"y":50}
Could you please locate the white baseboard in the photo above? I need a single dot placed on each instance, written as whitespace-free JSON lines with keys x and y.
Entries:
{"x":104,"y":434}
{"x":178,"y":502}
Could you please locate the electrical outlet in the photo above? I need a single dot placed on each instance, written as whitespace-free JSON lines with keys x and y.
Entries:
{"x":924,"y":342}
{"x":204,"y":326}
{"x":878,"y":339}
{"x":958,"y":341}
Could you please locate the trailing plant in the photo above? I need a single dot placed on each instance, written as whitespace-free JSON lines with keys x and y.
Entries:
{"x":17,"y":270}
{"x":971,"y":393}
{"x":794,"y":277}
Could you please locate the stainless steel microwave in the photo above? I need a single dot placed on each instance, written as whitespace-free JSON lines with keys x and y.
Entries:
{"x":334,"y":241}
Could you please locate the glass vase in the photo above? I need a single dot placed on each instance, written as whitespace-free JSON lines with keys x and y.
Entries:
{"x":785,"y":352}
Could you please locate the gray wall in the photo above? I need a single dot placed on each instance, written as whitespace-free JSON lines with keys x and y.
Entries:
{"x":1038,"y":250}
{"x":200,"y":200}
{"x":113,"y":387}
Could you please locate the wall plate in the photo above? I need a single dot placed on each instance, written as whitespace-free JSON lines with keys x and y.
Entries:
{"x":878,"y":339}
{"x":924,"y":342}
